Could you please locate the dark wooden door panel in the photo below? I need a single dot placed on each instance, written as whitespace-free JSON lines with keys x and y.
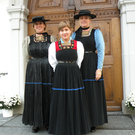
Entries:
{"x":107,"y":21}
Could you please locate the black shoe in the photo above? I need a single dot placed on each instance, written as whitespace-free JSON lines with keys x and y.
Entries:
{"x":93,"y":129}
{"x":35,"y":129}
{"x":46,"y":127}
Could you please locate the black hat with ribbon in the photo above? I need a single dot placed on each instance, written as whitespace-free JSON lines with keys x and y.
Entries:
{"x":38,"y":19}
{"x":83,"y":13}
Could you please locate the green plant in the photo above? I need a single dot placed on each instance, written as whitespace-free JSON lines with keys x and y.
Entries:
{"x":3,"y":74}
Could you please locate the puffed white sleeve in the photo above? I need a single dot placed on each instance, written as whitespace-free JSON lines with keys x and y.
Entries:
{"x":52,"y":56}
{"x":80,"y":53}
{"x":53,"y":38}
{"x":25,"y":46}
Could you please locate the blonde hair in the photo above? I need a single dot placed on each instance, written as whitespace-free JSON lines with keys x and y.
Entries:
{"x":63,"y":24}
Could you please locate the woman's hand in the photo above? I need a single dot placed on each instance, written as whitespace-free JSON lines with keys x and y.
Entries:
{"x":98,"y":74}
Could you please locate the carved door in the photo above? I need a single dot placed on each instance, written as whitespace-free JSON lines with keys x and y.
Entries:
{"x":107,"y":21}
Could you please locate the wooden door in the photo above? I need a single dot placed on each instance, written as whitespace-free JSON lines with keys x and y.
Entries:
{"x":107,"y":21}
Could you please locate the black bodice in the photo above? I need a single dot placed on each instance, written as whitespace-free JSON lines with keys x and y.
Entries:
{"x":39,"y":49}
{"x":88,"y":42}
{"x":66,"y":55}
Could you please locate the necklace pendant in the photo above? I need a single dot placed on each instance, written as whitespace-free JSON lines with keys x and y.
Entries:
{"x":86,"y":33}
{"x":66,"y":45}
{"x":39,"y":38}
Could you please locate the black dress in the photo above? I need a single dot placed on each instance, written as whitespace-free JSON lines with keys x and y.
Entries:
{"x":94,"y":89}
{"x":38,"y":84}
{"x":68,"y":109}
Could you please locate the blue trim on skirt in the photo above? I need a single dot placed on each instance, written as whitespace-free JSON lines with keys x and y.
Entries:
{"x":68,"y":89}
{"x":38,"y":83}
{"x":92,"y":80}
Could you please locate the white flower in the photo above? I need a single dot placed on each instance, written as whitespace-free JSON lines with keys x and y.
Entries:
{"x":130,"y":100}
{"x":10,"y":104}
{"x":133,"y":105}
{"x":10,"y":100}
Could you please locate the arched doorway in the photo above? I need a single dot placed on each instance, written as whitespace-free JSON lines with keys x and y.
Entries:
{"x":107,"y":21}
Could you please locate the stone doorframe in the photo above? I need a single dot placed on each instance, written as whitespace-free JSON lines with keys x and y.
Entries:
{"x":127,"y":16}
{"x":19,"y":29}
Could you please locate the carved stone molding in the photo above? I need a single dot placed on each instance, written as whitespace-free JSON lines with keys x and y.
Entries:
{"x":53,"y":6}
{"x":103,"y":2}
{"x":46,"y":5}
{"x":105,"y":13}
{"x":70,"y":14}
{"x":17,"y":14}
{"x":49,"y":3}
{"x":96,"y":1}
{"x":95,"y":4}
{"x":56,"y":16}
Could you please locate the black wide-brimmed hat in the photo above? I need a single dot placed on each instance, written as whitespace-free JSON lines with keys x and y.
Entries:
{"x":84,"y":12}
{"x":38,"y":18}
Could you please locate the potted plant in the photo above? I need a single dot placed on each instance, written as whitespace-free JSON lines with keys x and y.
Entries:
{"x":8,"y":102}
{"x":3,"y":74}
{"x":130,"y":101}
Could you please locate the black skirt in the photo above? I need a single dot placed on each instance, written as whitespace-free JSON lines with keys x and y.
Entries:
{"x":69,"y":114}
{"x":37,"y":92}
{"x":95,"y":91}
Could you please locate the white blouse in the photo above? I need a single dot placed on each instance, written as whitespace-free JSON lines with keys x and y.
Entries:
{"x":52,"y":54}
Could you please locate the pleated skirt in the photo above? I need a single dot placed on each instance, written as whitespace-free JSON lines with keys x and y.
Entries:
{"x":95,"y":91}
{"x":69,"y":109}
{"x":38,"y":87}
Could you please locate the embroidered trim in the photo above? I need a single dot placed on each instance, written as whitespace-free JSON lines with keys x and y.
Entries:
{"x":39,"y":38}
{"x":86,"y":33}
{"x":58,"y":49}
{"x":64,"y":46}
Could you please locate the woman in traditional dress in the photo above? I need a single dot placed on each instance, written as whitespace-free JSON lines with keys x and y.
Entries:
{"x":38,"y":76}
{"x":91,"y":67}
{"x":68,"y":110}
